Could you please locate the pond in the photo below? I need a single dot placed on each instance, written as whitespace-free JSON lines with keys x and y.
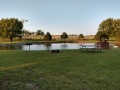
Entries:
{"x":40,"y":46}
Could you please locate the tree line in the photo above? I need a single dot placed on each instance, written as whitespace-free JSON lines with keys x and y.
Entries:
{"x":13,"y":27}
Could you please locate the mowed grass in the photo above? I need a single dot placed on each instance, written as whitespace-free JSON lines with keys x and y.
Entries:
{"x":67,"y":70}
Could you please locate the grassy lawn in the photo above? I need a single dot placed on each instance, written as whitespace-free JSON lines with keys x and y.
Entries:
{"x":67,"y":70}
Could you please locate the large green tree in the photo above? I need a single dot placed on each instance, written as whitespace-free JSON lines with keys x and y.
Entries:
{"x":116,"y":33}
{"x":10,"y":28}
{"x":108,"y":27}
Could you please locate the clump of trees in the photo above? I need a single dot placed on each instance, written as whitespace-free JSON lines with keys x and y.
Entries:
{"x":109,"y":27}
{"x":10,"y":28}
{"x":63,"y":36}
{"x":48,"y":37}
{"x":40,"y":32}
{"x":80,"y":37}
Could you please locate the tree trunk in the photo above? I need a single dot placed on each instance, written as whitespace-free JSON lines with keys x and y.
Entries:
{"x":11,"y":38}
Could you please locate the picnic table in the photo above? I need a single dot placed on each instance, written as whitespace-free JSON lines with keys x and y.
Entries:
{"x":91,"y":48}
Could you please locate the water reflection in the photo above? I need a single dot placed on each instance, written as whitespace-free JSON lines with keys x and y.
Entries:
{"x":52,"y":46}
{"x":10,"y":47}
{"x":64,"y":46}
{"x":39,"y":46}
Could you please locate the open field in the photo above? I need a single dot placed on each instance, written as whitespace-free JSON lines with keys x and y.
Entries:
{"x":67,"y":70}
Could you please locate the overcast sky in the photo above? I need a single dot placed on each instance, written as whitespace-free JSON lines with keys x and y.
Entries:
{"x":58,"y":16}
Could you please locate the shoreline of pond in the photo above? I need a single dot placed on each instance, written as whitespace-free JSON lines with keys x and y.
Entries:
{"x":52,"y":42}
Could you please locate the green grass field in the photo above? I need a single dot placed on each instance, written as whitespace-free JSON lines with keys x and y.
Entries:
{"x":67,"y":70}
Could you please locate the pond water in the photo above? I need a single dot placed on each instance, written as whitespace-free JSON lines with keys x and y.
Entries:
{"x":52,"y":46}
{"x":39,"y":46}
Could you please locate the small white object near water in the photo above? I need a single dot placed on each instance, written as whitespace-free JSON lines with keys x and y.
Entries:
{"x":115,"y":46}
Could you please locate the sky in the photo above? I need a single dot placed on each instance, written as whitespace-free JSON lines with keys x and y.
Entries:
{"x":58,"y":16}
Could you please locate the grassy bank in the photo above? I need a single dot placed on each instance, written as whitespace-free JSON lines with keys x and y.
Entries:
{"x":67,"y":70}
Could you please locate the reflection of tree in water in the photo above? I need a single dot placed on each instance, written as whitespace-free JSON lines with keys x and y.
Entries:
{"x":10,"y":47}
{"x":48,"y":45}
{"x":64,"y":46}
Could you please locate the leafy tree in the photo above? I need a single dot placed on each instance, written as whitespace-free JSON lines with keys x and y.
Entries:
{"x":10,"y":28}
{"x":97,"y":36}
{"x":102,"y":36}
{"x":116,"y":33}
{"x":40,"y":32}
{"x":106,"y":26}
{"x":48,"y":37}
{"x":81,"y":36}
{"x":109,"y":27}
{"x":64,"y":35}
